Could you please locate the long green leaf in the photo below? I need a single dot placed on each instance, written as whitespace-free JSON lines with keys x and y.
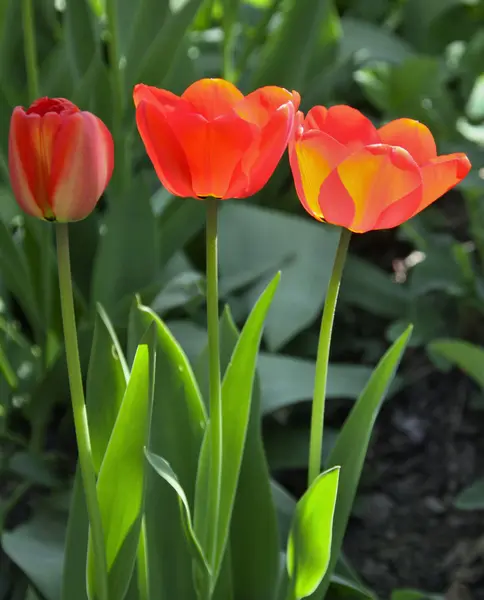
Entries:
{"x":286,"y":57}
{"x":178,"y":424}
{"x":157,"y":59}
{"x":237,"y":390}
{"x":162,"y":467}
{"x":309,"y":544}
{"x":120,"y":485}
{"x":254,"y":539}
{"x":351,"y":446}
{"x":468,"y":357}
{"x":79,"y":32}
{"x":106,"y":385}
{"x":127,"y":258}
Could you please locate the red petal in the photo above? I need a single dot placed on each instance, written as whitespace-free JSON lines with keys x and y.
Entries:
{"x":371,"y":179}
{"x":412,"y":135}
{"x":400,"y":211}
{"x":259,"y":106}
{"x":441,"y":174}
{"x":345,"y":124}
{"x":212,"y":97}
{"x":82,"y":165}
{"x":165,"y":100}
{"x":268,"y":151}
{"x":213,"y":149}
{"x":30,"y":157}
{"x":312,"y":159}
{"x":163,"y":148}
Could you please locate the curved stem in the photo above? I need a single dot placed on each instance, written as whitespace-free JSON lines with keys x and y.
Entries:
{"x":322,"y":360}
{"x":30,"y":49}
{"x":214,"y":377}
{"x":79,"y":409}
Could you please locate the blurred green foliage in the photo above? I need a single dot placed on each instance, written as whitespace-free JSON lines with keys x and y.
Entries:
{"x":390,"y":58}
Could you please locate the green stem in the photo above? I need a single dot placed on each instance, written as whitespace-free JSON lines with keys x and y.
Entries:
{"x":322,"y":360}
{"x":30,"y":49}
{"x":214,"y":377}
{"x":79,"y":409}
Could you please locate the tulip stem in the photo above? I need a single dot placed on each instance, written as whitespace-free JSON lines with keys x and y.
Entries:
{"x":322,"y":360}
{"x":79,"y":410}
{"x":214,"y":377}
{"x":30,"y":49}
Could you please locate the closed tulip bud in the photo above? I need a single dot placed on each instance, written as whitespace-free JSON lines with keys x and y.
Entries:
{"x":351,"y":174}
{"x":212,"y":140}
{"x":60,"y":159}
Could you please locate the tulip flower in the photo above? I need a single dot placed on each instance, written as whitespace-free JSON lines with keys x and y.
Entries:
{"x":212,"y":141}
{"x":60,"y":159}
{"x":349,"y":173}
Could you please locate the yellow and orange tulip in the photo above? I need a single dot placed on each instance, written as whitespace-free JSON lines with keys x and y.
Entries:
{"x":60,"y":159}
{"x":349,"y":173}
{"x":213,"y":141}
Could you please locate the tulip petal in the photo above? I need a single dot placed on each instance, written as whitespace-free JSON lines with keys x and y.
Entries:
{"x":212,"y":98}
{"x":213,"y":149}
{"x":371,"y":179}
{"x":312,"y":159}
{"x":412,"y":135}
{"x":400,"y":211}
{"x":345,"y":124}
{"x":261,"y":160}
{"x":82,"y":165}
{"x":30,"y":157}
{"x":259,"y":106}
{"x":441,"y":174}
{"x":165,"y":100}
{"x":163,"y":148}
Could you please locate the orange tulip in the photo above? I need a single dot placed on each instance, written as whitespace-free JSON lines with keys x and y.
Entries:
{"x":349,"y":173}
{"x":60,"y":159}
{"x":213,"y":141}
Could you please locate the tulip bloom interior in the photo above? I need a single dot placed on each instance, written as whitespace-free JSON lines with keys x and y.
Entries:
{"x":351,"y":174}
{"x":60,"y":159}
{"x":213,"y":141}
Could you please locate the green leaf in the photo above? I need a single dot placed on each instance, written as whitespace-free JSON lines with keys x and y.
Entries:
{"x":177,"y":428}
{"x":309,"y":544}
{"x":79,"y":34}
{"x":237,"y":390}
{"x":74,"y":569}
{"x":370,"y":288}
{"x":351,"y":446}
{"x":254,"y":539}
{"x":287,"y":380}
{"x":7,"y":370}
{"x":146,"y":19}
{"x":36,"y":547}
{"x":179,"y":222}
{"x":368,"y":42}
{"x":286,"y":56}
{"x":157,"y":59}
{"x":303,"y":287}
{"x":472,"y":497}
{"x":106,"y":385}
{"x":162,"y":467}
{"x":466,"y":356}
{"x":127,"y":257}
{"x":120,"y":486}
